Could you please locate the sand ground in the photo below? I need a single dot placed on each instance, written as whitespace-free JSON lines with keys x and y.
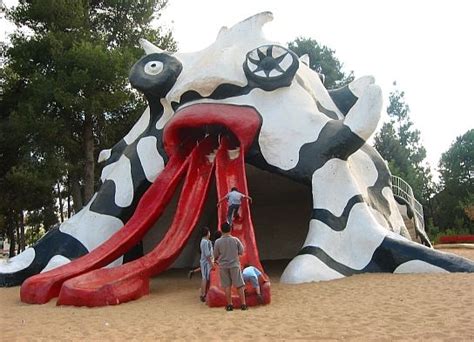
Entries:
{"x":362,"y":307}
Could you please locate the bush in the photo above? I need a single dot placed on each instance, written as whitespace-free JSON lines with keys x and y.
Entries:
{"x":450,"y":232}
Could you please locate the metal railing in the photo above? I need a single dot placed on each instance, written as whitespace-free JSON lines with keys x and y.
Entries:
{"x":402,"y":189}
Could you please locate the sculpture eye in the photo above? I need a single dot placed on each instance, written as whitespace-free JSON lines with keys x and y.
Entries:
{"x":153,"y":67}
{"x":271,"y":66}
{"x":155,"y":74}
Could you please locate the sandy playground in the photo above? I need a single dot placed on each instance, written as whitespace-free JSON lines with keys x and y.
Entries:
{"x":362,"y":307}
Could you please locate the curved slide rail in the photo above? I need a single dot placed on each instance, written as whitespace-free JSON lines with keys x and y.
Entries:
{"x":230,"y":172}
{"x":131,"y":281}
{"x":43,"y":287}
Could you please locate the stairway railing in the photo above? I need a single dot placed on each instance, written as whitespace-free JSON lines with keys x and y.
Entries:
{"x":402,"y":189}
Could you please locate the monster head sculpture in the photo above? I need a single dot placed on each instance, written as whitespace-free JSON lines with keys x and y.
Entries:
{"x":243,"y":99}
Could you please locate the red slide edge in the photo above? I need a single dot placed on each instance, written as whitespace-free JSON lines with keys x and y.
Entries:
{"x":43,"y":287}
{"x":230,"y":173}
{"x":131,"y":281}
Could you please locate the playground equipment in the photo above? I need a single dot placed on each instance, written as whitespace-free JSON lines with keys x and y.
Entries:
{"x":242,"y":99}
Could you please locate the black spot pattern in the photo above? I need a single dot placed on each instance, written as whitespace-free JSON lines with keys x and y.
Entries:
{"x":376,"y":199}
{"x":391,"y":254}
{"x":104,"y":202}
{"x":336,"y":140}
{"x":53,"y":243}
{"x":343,"y":98}
{"x":337,"y":223}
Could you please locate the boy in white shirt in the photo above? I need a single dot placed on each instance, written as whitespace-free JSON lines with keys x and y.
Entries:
{"x":234,"y":200}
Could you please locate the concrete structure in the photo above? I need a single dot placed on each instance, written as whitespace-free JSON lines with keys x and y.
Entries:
{"x":242,"y":99}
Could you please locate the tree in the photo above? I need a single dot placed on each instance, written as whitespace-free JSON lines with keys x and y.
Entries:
{"x":324,"y":57}
{"x":75,"y":65}
{"x":65,"y":95}
{"x":25,"y":177}
{"x":399,"y":144}
{"x":455,"y":201}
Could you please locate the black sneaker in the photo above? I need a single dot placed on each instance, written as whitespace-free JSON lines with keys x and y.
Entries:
{"x":243,"y":307}
{"x":229,"y":307}
{"x":202,"y":298}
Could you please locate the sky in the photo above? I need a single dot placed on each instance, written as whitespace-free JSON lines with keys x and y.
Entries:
{"x":427,"y":47}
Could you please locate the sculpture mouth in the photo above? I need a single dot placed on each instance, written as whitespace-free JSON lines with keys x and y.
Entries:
{"x":196,"y":122}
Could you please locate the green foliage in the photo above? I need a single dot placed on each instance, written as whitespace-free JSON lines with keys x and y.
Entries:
{"x":399,"y":143}
{"x":321,"y":55}
{"x":66,"y":96}
{"x":457,"y":164}
{"x":33,"y":234}
{"x":454,"y":203}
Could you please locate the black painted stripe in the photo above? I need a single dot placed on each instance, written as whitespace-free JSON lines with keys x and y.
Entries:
{"x":376,"y":199}
{"x":330,"y":262}
{"x":104,"y":202}
{"x":344,"y":98}
{"x":53,"y":243}
{"x":223,"y":91}
{"x":115,"y":153}
{"x":336,"y":140}
{"x":391,"y":254}
{"x":337,"y":223}
{"x":394,"y":252}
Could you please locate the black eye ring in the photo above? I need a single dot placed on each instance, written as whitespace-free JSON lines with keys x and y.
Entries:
{"x":155,"y":74}
{"x":271,"y":66}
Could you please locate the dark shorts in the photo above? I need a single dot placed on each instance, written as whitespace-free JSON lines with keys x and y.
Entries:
{"x":231,"y":276}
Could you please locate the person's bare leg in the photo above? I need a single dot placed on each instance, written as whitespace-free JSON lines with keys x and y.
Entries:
{"x":228,"y":295}
{"x":259,"y":295}
{"x":242,"y":295}
{"x":203,"y":287}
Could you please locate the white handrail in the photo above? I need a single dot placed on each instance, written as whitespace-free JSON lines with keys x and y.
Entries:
{"x":402,"y":189}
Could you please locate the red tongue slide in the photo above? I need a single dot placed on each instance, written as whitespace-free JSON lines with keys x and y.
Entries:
{"x":83,"y":282}
{"x":43,"y":287}
{"x":230,"y":172}
{"x":131,"y":281}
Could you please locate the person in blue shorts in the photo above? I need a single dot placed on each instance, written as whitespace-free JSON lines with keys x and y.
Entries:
{"x":217,"y":234}
{"x":206,"y":262}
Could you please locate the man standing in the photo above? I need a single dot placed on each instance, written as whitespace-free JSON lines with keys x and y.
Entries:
{"x":227,"y":250}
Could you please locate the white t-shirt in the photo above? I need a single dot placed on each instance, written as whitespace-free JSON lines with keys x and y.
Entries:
{"x":234,"y":197}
